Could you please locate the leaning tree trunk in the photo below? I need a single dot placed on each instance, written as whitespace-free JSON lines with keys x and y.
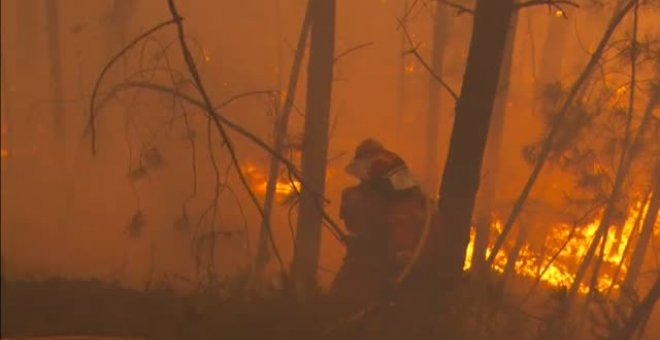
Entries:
{"x":627,"y":158}
{"x":474,"y":109}
{"x":546,"y":148}
{"x":281,"y":125}
{"x":315,"y":145}
{"x":441,"y":29}
{"x":650,"y":223}
{"x":490,"y":172}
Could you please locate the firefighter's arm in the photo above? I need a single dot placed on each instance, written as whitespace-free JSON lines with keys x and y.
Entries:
{"x":349,"y":211}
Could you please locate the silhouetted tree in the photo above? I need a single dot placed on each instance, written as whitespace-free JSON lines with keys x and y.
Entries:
{"x":315,"y":145}
{"x":474,"y":110}
{"x":54,"y":48}
{"x":491,"y":168}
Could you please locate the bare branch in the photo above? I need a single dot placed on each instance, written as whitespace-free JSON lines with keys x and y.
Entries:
{"x":414,"y":52}
{"x":109,"y":65}
{"x":232,"y":125}
{"x":550,"y":3}
{"x":461,"y":9}
{"x":352,"y":49}
{"x":192,"y":68}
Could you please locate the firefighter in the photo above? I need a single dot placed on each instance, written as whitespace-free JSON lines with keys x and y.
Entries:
{"x":384,"y":215}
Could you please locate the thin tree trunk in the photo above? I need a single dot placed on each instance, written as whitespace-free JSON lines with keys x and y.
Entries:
{"x":315,"y":145}
{"x":491,"y":170}
{"x":281,"y":126}
{"x":28,"y":28}
{"x":628,"y":156}
{"x":650,"y":222}
{"x":54,"y":48}
{"x":510,"y":268}
{"x":6,"y":141}
{"x":7,"y":134}
{"x":629,"y":241}
{"x":556,"y":127}
{"x":474,"y":109}
{"x":119,"y":20}
{"x":441,"y":27}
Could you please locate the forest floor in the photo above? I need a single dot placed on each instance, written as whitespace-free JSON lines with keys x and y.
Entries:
{"x":63,"y":307}
{"x":92,"y":309}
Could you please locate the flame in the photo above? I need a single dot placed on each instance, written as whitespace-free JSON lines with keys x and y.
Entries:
{"x":561,"y":272}
{"x":559,"y":13}
{"x":259,"y":182}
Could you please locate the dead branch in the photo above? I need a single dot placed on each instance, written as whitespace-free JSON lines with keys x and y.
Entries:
{"x":352,"y":49}
{"x":414,"y":52}
{"x":229,"y":123}
{"x":551,"y":3}
{"x":461,"y":9}
{"x":107,"y":68}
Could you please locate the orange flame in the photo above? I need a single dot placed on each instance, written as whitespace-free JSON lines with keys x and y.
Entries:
{"x":561,"y":272}
{"x":259,"y":182}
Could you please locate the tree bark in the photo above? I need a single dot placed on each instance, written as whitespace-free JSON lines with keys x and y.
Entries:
{"x":474,"y":109}
{"x":315,"y":145}
{"x":491,"y":170}
{"x":441,"y":27}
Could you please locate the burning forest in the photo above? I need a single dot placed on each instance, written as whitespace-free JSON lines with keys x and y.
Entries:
{"x":318,"y":169}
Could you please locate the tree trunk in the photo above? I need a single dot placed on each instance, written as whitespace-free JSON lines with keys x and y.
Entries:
{"x":474,"y":109}
{"x":510,"y":268}
{"x":119,"y":20}
{"x":556,"y":127}
{"x":650,"y":222}
{"x":315,"y":145}
{"x":28,"y":30}
{"x":281,"y":126}
{"x":54,"y":48}
{"x":441,"y":29}
{"x":491,"y":170}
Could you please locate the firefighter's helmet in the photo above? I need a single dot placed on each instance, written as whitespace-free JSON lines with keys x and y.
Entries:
{"x":372,"y":160}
